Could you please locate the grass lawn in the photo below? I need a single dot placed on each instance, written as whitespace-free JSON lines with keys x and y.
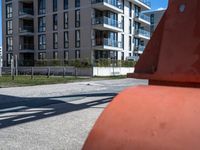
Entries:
{"x":24,"y":80}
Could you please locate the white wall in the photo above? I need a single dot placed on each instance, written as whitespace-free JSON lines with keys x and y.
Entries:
{"x":110,"y":71}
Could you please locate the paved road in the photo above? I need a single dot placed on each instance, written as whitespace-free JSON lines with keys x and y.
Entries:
{"x":54,"y":117}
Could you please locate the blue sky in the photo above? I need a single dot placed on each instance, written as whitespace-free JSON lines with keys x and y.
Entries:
{"x":155,"y":4}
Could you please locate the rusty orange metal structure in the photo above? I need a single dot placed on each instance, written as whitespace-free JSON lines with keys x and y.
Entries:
{"x":165,"y":114}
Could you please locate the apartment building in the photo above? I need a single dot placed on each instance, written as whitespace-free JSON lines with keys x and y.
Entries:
{"x":155,"y":17}
{"x":73,"y":29}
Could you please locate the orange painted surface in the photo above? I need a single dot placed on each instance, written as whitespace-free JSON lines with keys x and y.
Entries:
{"x":173,"y":53}
{"x":159,"y":117}
{"x":149,"y":118}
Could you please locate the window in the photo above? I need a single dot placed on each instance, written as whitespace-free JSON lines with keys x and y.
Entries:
{"x":77,"y":38}
{"x":130,"y":43}
{"x":65,"y":20}
{"x":123,"y":23}
{"x":137,"y":26}
{"x":55,"y":40}
{"x":77,"y":3}
{"x":9,"y":57}
{"x":137,"y":11}
{"x":123,"y":41}
{"x":55,"y":5}
{"x":27,"y":43}
{"x":66,"y":55}
{"x":41,"y":24}
{"x":77,"y":54}
{"x":77,"y":18}
{"x":41,"y":7}
{"x":123,"y":4}
{"x":9,"y":12}
{"x":152,"y":19}
{"x":9,"y":27}
{"x":65,"y":4}
{"x":55,"y":55}
{"x":41,"y":56}
{"x":9,"y":43}
{"x":136,"y":42}
{"x":42,"y":42}
{"x":130,"y":9}
{"x":66,"y":40}
{"x":122,"y":56}
{"x":55,"y":22}
{"x":130,"y":26}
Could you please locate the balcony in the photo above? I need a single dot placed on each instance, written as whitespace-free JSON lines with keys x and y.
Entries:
{"x":105,"y":23}
{"x":112,"y":5}
{"x":26,"y":13}
{"x":139,"y":49}
{"x":142,"y":18}
{"x":26,"y":47}
{"x":140,"y":33}
{"x":107,"y":44}
{"x":26,"y":30}
{"x":144,"y":4}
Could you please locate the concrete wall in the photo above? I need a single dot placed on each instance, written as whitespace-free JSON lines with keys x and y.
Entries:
{"x":71,"y":71}
{"x":110,"y":71}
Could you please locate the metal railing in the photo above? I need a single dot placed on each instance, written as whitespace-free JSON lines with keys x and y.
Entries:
{"x":26,"y":29}
{"x":26,"y":46}
{"x":26,"y":11}
{"x":143,"y":32}
{"x":107,"y":42}
{"x":108,"y":21}
{"x":115,"y":3}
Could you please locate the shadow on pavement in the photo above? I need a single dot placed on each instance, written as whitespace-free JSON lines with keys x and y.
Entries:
{"x":18,"y":110}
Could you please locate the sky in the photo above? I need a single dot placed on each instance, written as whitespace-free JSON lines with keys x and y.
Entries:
{"x":158,"y":4}
{"x":155,"y":4}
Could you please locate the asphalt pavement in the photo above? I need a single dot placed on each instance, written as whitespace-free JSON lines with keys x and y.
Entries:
{"x":54,"y":117}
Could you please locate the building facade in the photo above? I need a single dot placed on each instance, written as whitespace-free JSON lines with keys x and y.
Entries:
{"x":73,"y":29}
{"x":1,"y":57}
{"x":155,"y":17}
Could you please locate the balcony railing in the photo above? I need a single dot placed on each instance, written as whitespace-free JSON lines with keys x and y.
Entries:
{"x":139,"y":48}
{"x":143,"y":17}
{"x":26,"y":11}
{"x":108,"y":21}
{"x":26,"y":29}
{"x":146,"y":2}
{"x":115,"y":3}
{"x":26,"y":46}
{"x":143,"y":33}
{"x":108,"y":42}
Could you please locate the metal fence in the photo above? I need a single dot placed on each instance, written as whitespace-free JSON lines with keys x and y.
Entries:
{"x":48,"y":71}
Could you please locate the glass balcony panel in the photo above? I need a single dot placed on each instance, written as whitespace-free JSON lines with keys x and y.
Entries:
{"x":110,"y":2}
{"x":143,"y":33}
{"x":144,"y":17}
{"x":26,"y":11}
{"x":107,"y":42}
{"x":146,"y":2}
{"x":108,"y":21}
